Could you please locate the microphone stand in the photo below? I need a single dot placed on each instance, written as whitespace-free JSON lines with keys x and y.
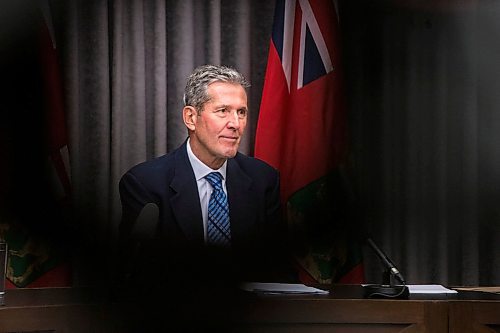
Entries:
{"x":3,"y":269}
{"x":387,"y":289}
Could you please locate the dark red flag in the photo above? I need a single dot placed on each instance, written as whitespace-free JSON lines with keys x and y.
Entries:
{"x":34,"y":261}
{"x":302,"y":132}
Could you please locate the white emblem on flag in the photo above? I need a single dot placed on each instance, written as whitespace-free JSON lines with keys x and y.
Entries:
{"x":308,"y":21}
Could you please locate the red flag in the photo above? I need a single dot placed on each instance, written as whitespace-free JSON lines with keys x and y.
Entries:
{"x":57,"y":139}
{"x":302,"y":132}
{"x":33,"y":261}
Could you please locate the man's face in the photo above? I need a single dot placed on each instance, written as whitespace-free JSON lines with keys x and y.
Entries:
{"x":218,"y":128}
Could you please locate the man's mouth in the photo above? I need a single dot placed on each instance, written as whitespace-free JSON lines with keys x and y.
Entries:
{"x":229,"y":138}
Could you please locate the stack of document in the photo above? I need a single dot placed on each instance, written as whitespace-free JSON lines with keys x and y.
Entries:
{"x":301,"y":289}
{"x":282,"y":288}
{"x":429,"y":289}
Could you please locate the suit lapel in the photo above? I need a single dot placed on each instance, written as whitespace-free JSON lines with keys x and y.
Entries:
{"x":241,"y":200}
{"x":186,"y":202}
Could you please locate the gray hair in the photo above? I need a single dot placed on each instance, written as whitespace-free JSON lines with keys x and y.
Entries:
{"x":195,"y":93}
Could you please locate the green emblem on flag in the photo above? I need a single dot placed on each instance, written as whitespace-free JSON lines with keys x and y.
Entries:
{"x":30,"y":256}
{"x":320,"y":224}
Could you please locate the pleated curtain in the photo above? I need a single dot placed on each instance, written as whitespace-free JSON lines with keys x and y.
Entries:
{"x":422,"y":85}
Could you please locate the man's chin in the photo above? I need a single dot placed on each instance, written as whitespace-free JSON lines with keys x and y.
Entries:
{"x":230,"y":154}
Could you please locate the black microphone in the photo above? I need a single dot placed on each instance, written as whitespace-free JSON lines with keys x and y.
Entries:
{"x":143,"y":230}
{"x":146,"y":223}
{"x":386,"y":290}
{"x":386,"y":261}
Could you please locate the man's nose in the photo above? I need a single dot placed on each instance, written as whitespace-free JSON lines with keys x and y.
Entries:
{"x":234,"y":120}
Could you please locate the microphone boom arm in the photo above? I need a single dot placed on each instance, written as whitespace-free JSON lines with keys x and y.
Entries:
{"x":391,"y":268}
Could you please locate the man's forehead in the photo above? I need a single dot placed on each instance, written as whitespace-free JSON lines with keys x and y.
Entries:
{"x":219,"y":83}
{"x":218,"y":88}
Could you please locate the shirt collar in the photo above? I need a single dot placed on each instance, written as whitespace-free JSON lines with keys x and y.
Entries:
{"x":201,"y":169}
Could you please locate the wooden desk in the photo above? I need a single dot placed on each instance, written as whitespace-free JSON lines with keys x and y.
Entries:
{"x":53,"y":310}
{"x":344,"y":315}
{"x":85,"y":310}
{"x":474,"y":316}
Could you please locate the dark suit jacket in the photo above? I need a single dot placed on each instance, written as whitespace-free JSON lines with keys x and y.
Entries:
{"x":254,"y":210}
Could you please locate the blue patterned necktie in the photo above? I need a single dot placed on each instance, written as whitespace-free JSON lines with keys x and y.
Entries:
{"x":218,"y":232}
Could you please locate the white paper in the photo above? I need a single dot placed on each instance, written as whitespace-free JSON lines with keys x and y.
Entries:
{"x":429,"y":289}
{"x":281,"y":288}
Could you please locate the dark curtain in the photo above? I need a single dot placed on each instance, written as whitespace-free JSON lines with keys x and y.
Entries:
{"x":422,"y":82}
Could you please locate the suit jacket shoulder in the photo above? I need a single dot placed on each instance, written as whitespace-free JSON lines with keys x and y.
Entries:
{"x":256,"y":169}
{"x":167,"y":181}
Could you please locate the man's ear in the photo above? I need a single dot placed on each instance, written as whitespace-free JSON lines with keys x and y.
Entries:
{"x":189,"y":116}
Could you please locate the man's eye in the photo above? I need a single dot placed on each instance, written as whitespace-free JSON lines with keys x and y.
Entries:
{"x":221,"y":111}
{"x":242,"y":113}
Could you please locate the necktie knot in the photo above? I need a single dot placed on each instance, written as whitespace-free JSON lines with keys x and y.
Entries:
{"x":215,"y":179}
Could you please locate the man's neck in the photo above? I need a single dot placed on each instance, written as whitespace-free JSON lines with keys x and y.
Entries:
{"x":213,"y":163}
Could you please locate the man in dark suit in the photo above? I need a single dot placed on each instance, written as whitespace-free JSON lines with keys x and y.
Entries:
{"x":192,"y":240}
